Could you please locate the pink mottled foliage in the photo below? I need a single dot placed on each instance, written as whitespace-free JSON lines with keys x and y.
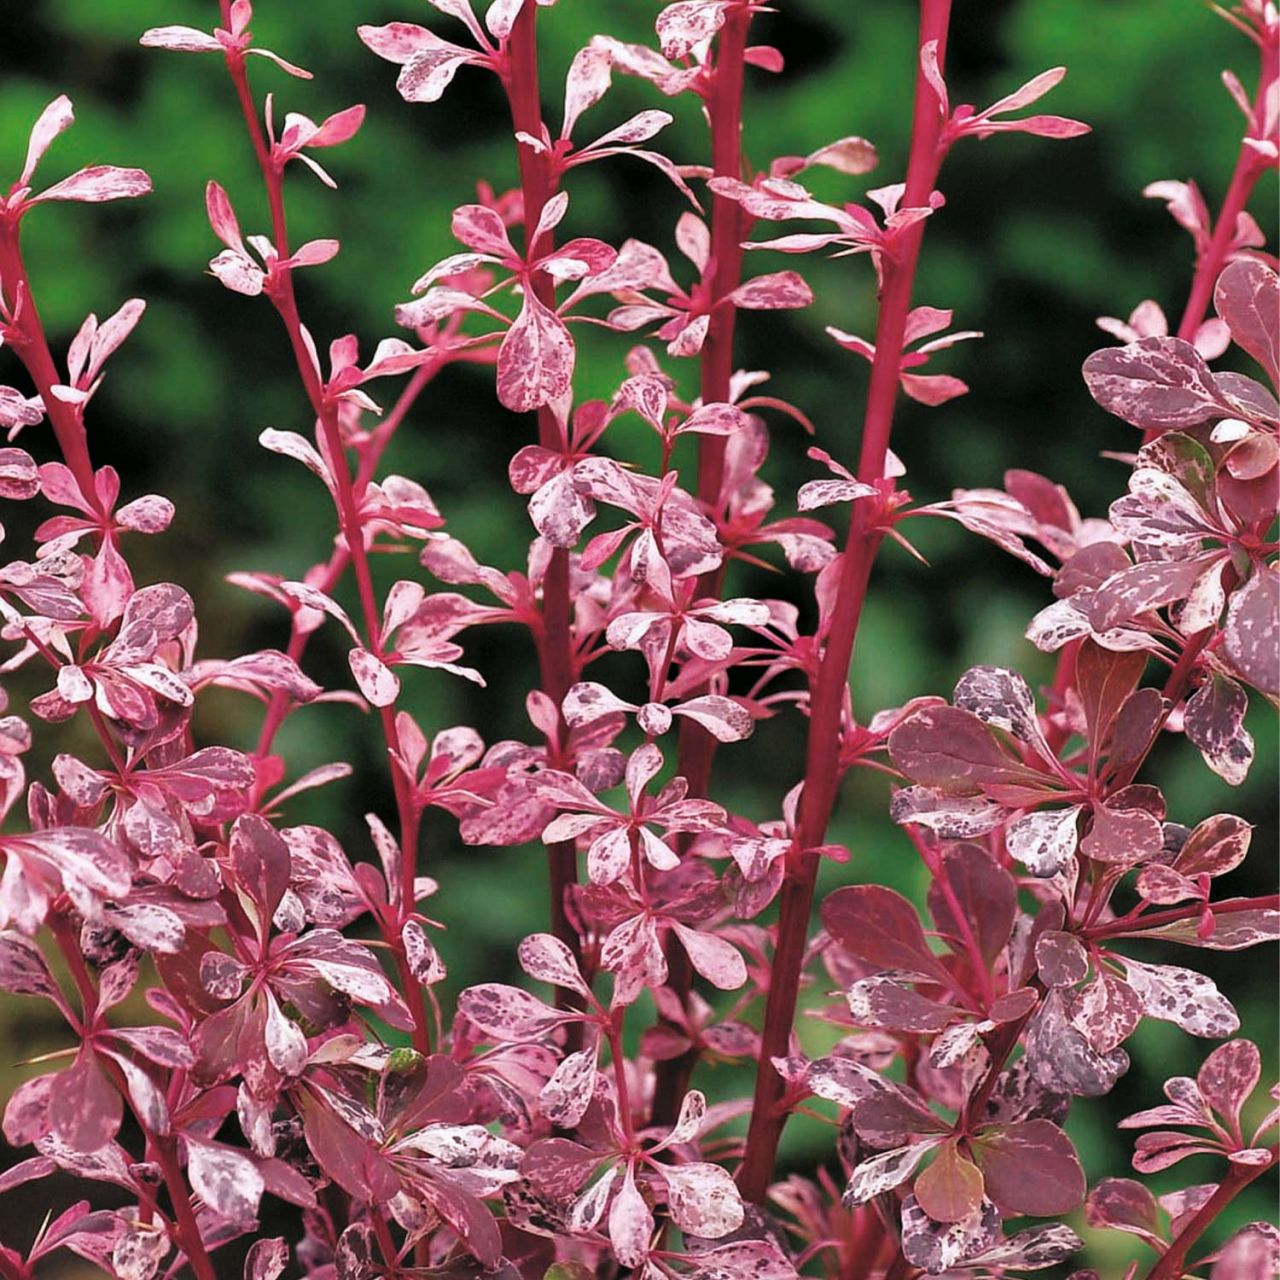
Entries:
{"x":298,"y":1062}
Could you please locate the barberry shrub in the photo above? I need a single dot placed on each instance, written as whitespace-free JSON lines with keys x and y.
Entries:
{"x":292,"y":1060}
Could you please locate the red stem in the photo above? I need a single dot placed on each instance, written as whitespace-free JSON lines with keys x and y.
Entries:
{"x":280,"y":704}
{"x":1246,"y":174}
{"x":724,"y":266}
{"x":386,"y":1243}
{"x":185,"y":1220}
{"x":33,"y":351}
{"x":1172,"y":1263}
{"x":723,"y":273}
{"x":1179,"y":678}
{"x":1250,"y":166}
{"x":614,"y":1036}
{"x":1156,"y":919}
{"x":900,"y":1269}
{"x":349,"y":517}
{"x":822,"y":771}
{"x":32,"y":348}
{"x":556,"y":663}
{"x":187,"y":1229}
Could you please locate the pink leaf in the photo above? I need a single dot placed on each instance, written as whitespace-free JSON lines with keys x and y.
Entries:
{"x":567,"y":1095}
{"x":376,"y":681}
{"x":23,"y":971}
{"x":238,"y":272}
{"x":1045,"y":842}
{"x":717,"y":960}
{"x":882,"y":1172}
{"x":853,"y":155}
{"x":535,"y":361}
{"x":781,"y":290}
{"x":586,"y":83}
{"x":688,"y":23}
{"x":54,"y":120}
{"x":1229,"y":1075}
{"x":266,"y":1259}
{"x":226,"y":1180}
{"x":1184,"y":997}
{"x":84,"y":1110}
{"x":97,"y":183}
{"x":429,"y":63}
{"x":952,"y":817}
{"x":546,"y":958}
{"x":421,"y":955}
{"x":560,"y":512}
{"x":703,"y":1199}
{"x":1213,"y":719}
{"x":482,"y":229}
{"x":1106,"y":1011}
{"x":180,"y":40}
{"x":630,"y":1223}
{"x":509,"y":1014}
{"x":932,"y":388}
{"x":1247,"y":297}
{"x":1158,"y":384}
{"x":1252,"y":632}
{"x":723,"y":718}
{"x":1215,"y":846}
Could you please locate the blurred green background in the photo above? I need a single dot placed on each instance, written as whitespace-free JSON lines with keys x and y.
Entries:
{"x":1037,"y":239}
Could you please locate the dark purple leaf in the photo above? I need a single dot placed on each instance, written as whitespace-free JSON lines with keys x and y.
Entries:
{"x":1104,"y":680}
{"x":892,"y":1117}
{"x":880,"y":927}
{"x":879,"y":1001}
{"x":1062,"y":1060}
{"x":1033,"y":1249}
{"x":1135,"y":730}
{"x":260,"y":858}
{"x":981,"y":891}
{"x":1000,"y":697}
{"x":1031,"y":1168}
{"x":953,"y":750}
